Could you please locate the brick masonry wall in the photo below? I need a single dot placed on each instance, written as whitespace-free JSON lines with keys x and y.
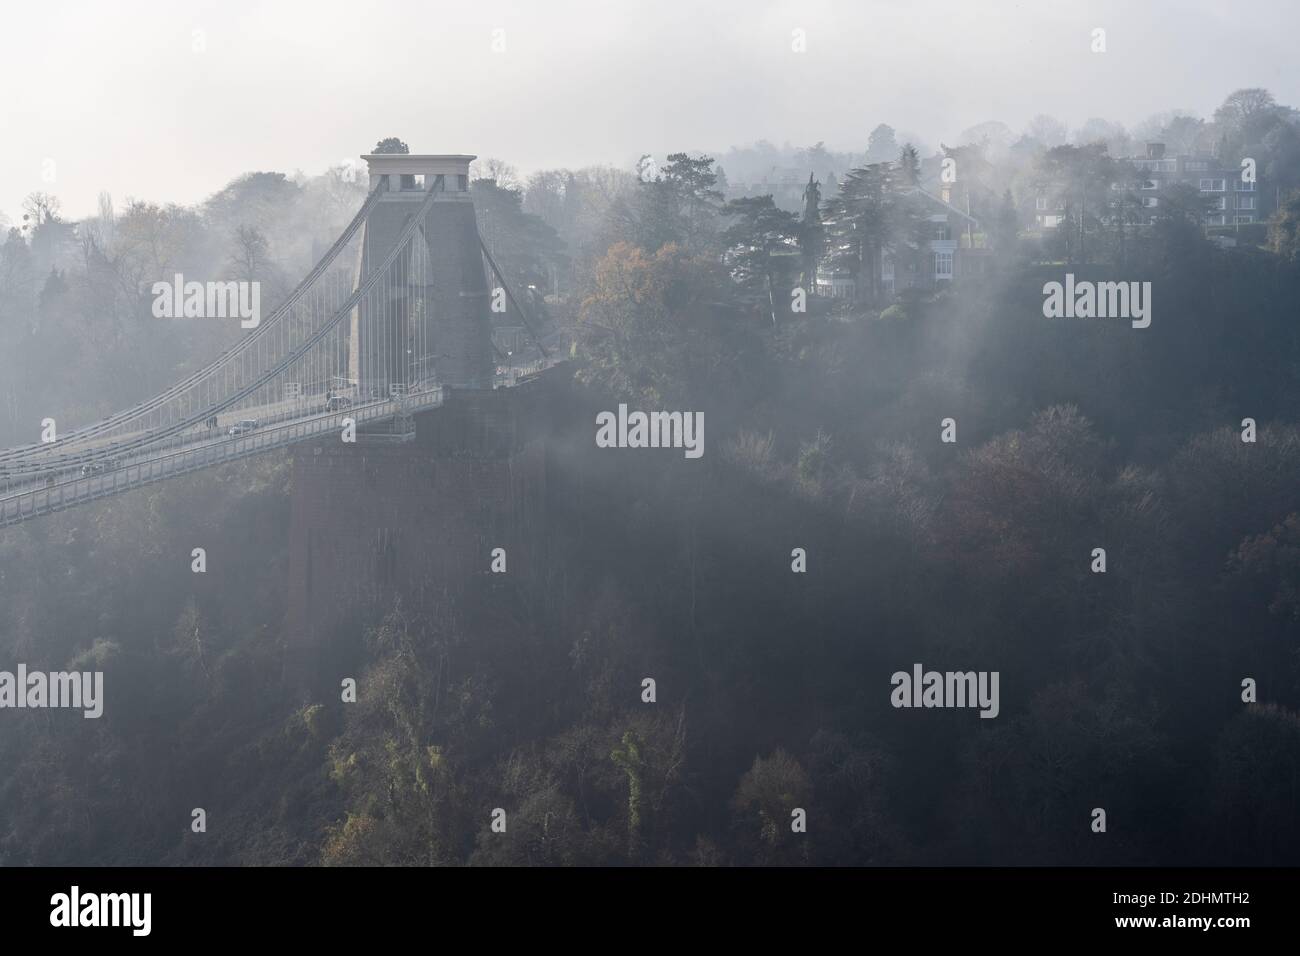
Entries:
{"x":371,"y":523}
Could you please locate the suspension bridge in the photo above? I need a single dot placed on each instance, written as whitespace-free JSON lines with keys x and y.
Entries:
{"x":393,"y":314}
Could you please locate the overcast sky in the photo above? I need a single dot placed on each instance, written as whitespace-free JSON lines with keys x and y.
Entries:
{"x":117,"y":96}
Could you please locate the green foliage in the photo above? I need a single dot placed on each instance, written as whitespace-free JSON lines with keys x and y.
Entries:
{"x":627,"y":758}
{"x":679,"y":204}
{"x":876,"y":213}
{"x":650,"y":329}
{"x":524,"y":246}
{"x":765,"y":798}
{"x":391,"y":144}
{"x":814,"y":458}
{"x":1083,"y":175}
{"x":881,"y":144}
{"x":762,"y":246}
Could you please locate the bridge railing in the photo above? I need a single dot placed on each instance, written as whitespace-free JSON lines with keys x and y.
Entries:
{"x":33,"y":501}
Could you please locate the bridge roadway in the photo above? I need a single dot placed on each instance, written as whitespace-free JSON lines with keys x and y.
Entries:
{"x":67,"y":455}
{"x":29,"y":490}
{"x":196,"y":448}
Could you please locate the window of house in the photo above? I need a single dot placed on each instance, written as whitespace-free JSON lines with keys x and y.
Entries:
{"x":943,"y":265}
{"x":941,"y":230}
{"x":1245,"y":202}
{"x":1247,"y":218}
{"x":1219,"y":202}
{"x":1219,"y":220}
{"x":1041,"y":203}
{"x":1241,"y":187}
{"x":1150,"y":184}
{"x":1212,"y":185}
{"x":1150,"y":202}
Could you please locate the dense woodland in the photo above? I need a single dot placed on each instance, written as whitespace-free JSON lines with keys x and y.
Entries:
{"x":1119,"y":690}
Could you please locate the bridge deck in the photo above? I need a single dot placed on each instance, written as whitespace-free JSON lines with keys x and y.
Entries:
{"x":37,"y":499}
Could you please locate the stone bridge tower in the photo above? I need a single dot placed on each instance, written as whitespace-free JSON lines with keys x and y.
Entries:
{"x":441,"y":303}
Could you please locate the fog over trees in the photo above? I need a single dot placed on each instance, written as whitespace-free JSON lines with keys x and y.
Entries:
{"x":676,"y":284}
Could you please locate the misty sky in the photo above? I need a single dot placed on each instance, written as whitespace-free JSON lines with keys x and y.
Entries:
{"x":116,"y":95}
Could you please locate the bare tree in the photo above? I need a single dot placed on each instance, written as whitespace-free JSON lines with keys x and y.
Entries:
{"x":252,"y":253}
{"x":41,"y":208}
{"x":544,"y":196}
{"x":505,"y":175}
{"x":1048,"y":130}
